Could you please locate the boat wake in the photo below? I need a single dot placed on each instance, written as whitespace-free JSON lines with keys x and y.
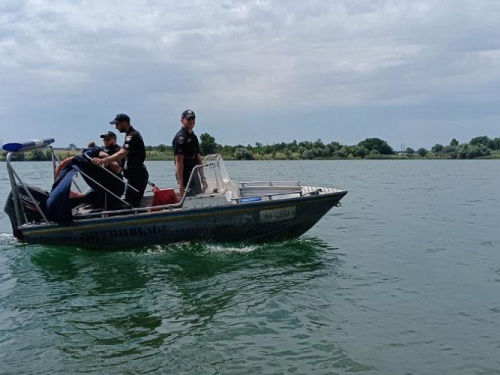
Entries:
{"x":8,"y":239}
{"x":198,"y":248}
{"x":231,"y":248}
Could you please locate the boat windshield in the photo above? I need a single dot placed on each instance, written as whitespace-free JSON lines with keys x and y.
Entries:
{"x":215,"y":172}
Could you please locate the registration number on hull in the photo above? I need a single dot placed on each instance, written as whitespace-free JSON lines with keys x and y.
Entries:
{"x":278,"y":214}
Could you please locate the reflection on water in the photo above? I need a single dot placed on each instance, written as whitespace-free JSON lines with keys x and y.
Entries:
{"x":403,"y":279}
{"x":185,"y":261}
{"x":118,"y":306}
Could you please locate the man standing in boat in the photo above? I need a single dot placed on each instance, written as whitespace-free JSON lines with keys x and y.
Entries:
{"x":134,"y":152}
{"x":187,"y":156}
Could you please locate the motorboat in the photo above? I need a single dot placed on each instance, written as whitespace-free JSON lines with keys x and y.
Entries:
{"x":248,"y":211}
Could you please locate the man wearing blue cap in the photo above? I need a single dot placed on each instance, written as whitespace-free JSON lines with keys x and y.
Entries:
{"x":134,"y":152}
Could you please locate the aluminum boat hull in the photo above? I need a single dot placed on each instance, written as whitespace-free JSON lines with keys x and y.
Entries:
{"x":252,"y":222}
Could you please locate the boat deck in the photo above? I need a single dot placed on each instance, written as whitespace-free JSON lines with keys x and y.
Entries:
{"x":244,"y":193}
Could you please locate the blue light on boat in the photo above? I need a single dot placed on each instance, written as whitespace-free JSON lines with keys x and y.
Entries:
{"x":30,"y":145}
{"x":250,"y":199}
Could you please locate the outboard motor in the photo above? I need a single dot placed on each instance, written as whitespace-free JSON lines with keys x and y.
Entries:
{"x":31,"y":213}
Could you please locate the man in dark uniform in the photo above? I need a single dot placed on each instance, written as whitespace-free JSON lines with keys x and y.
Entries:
{"x":187,"y":155}
{"x":134,"y":152}
{"x":111,"y":148}
{"x":99,"y":197}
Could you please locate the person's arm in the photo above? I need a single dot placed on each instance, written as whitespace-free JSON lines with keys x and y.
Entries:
{"x":179,"y":170}
{"x":202,"y":173}
{"x":114,"y":165}
{"x":120,"y":155}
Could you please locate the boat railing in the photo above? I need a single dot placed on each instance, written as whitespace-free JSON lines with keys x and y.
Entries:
{"x":267,"y":196}
{"x":217,"y":183}
{"x":128,"y":211}
{"x":253,"y":188}
{"x":106,"y":189}
{"x":247,"y":184}
{"x":18,"y":206}
{"x":147,"y":209}
{"x":111,"y":174}
{"x":14,"y":178}
{"x":251,"y":191}
{"x":55,"y":163}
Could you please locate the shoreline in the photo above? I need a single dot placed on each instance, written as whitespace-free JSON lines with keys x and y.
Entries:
{"x":226,"y":158}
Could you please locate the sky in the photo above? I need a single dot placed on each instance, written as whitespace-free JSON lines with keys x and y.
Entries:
{"x":414,"y":73}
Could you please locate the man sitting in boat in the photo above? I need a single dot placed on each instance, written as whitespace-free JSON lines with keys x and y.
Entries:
{"x":106,"y":183}
{"x":99,"y":197}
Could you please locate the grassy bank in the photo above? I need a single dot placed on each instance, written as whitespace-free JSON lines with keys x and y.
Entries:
{"x":156,"y":155}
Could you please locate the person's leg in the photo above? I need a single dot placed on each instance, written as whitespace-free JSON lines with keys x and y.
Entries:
{"x":115,"y":186}
{"x":139,"y":181}
{"x":194,"y":187}
{"x":95,"y":198}
{"x":131,"y":196}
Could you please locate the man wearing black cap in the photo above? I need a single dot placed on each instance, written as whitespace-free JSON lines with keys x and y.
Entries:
{"x":134,"y":152}
{"x":109,"y":148}
{"x":109,"y":141}
{"x":99,"y":197}
{"x":187,"y":156}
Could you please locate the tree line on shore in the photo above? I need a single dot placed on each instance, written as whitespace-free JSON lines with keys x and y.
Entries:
{"x":370,"y":148}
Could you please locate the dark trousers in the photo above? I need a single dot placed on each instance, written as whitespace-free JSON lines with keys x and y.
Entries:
{"x":138,"y":178}
{"x":99,"y":197}
{"x":194,"y":187}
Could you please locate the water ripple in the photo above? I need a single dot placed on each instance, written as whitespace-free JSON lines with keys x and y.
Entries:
{"x":403,"y":279}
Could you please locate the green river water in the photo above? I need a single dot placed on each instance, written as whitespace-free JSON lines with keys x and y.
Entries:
{"x":404,"y":278}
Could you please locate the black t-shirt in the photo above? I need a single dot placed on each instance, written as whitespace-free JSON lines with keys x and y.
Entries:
{"x":113,"y":150}
{"x":187,"y":145}
{"x":136,"y":149}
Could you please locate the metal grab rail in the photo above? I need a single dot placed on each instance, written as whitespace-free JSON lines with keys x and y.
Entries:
{"x":137,"y":210}
{"x":16,"y":182}
{"x":268,"y":183}
{"x":55,"y":159}
{"x":104,"y":188}
{"x":15,"y":193}
{"x":19,"y":209}
{"x":112,"y":174}
{"x":270,"y":196}
{"x":195,"y":170}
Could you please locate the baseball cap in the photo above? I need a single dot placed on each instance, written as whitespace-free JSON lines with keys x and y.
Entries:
{"x":187,"y":114}
{"x":109,"y":134}
{"x":119,"y":118}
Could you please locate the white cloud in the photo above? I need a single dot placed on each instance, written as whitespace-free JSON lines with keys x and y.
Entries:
{"x":253,"y":57}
